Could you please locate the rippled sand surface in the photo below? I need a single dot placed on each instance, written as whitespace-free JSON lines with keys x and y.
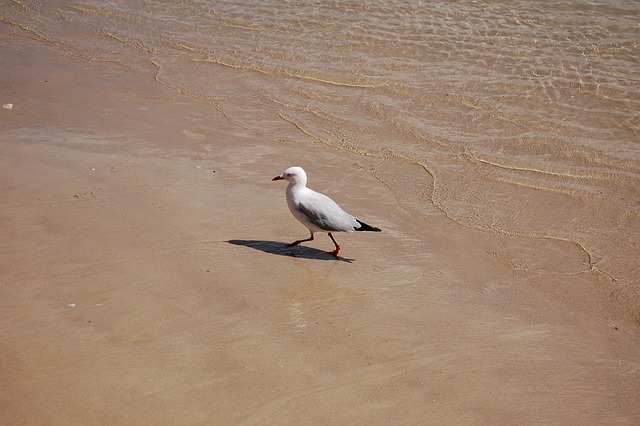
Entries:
{"x":144,"y":267}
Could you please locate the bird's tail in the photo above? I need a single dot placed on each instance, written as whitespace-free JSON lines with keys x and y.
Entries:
{"x":365,"y":227}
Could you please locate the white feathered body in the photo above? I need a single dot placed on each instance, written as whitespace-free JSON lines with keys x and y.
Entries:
{"x":318,"y":212}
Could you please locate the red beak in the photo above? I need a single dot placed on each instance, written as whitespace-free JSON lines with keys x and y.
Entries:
{"x":277,"y":178}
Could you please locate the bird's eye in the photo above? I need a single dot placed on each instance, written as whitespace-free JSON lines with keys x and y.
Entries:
{"x":289,"y":174}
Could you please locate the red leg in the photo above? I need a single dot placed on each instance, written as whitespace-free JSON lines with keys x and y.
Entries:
{"x":337,"y":250}
{"x":295,"y":243}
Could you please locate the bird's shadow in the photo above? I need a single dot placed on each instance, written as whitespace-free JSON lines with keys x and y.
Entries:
{"x":282,"y":249}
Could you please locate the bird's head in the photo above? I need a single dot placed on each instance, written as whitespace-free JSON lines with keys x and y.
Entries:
{"x":293,"y":175}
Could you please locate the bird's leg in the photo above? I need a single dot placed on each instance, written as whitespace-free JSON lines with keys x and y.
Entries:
{"x":337,"y":250}
{"x":295,"y":243}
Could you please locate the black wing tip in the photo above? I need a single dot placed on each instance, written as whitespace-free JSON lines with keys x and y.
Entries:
{"x":365,"y":227}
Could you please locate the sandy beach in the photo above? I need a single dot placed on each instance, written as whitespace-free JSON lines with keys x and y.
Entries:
{"x":145,"y":278}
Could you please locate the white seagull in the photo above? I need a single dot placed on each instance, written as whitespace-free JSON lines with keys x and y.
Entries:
{"x":316,"y":211}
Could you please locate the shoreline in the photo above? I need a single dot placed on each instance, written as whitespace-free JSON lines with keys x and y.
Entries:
{"x":126,"y":299}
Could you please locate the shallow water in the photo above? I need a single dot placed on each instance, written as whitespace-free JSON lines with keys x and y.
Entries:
{"x":523,"y":116}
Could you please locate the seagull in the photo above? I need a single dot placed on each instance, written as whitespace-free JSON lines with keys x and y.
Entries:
{"x":316,"y":211}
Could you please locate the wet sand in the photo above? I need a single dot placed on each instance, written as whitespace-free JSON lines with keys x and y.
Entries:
{"x":145,"y":279}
